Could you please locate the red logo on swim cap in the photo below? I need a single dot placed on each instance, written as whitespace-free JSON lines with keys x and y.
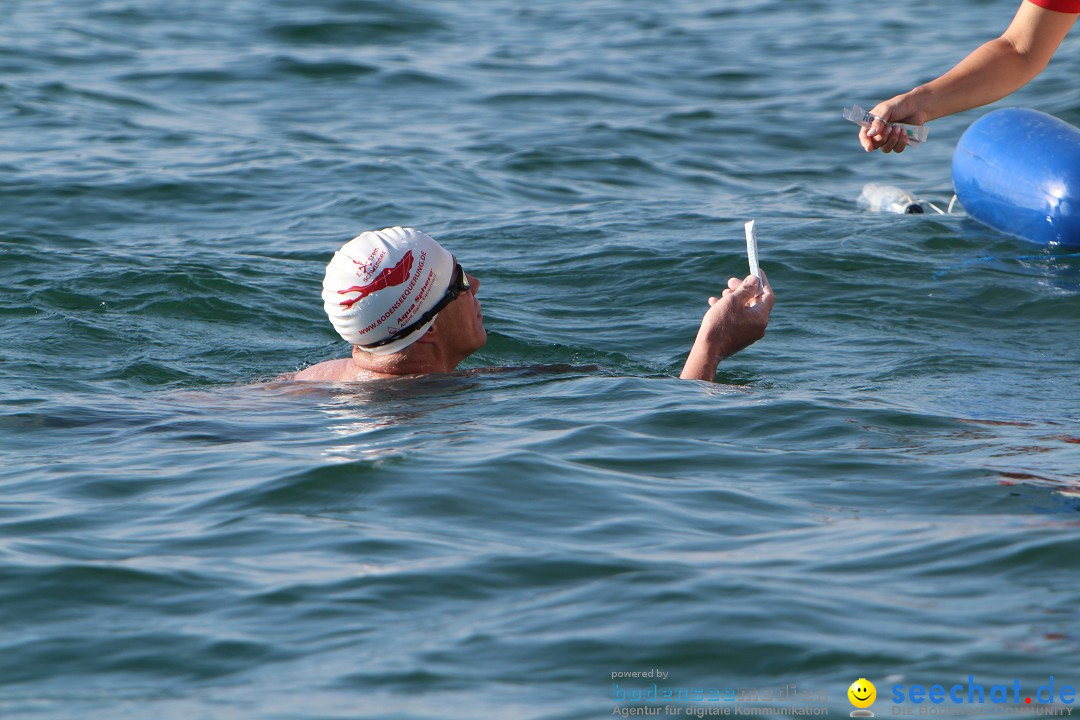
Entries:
{"x":387,"y":278}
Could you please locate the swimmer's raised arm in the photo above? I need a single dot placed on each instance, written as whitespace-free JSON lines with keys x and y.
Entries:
{"x":988,"y":74}
{"x":734,"y":321}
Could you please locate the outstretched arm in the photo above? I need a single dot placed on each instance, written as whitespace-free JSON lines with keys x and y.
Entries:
{"x":988,"y":74}
{"x":733,"y":321}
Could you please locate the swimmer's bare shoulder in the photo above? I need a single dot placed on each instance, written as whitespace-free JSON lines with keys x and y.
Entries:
{"x":327,"y":371}
{"x":337,"y":370}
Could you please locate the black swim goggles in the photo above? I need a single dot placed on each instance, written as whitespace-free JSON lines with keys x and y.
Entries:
{"x":459,"y":283}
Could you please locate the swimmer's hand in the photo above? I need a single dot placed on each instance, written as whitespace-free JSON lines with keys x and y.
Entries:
{"x":734,"y":320}
{"x":880,"y":136}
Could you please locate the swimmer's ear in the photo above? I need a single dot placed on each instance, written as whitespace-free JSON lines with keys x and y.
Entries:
{"x":432,"y":335}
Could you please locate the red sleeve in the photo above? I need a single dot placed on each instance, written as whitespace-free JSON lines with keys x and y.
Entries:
{"x":1062,"y":6}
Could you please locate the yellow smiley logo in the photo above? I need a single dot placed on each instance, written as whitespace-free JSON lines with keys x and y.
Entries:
{"x":862,"y":693}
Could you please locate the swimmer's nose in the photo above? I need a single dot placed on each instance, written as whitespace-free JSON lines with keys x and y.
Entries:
{"x":474,"y":283}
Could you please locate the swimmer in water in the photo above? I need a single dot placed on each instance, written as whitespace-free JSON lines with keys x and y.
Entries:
{"x":407,"y":307}
{"x":991,"y":72}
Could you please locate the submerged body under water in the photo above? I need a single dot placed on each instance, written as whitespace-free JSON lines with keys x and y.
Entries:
{"x":885,"y":487}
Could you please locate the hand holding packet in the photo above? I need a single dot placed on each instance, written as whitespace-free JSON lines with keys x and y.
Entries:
{"x":916,"y":134}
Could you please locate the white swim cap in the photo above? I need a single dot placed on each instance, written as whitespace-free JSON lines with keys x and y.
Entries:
{"x":382,"y":281}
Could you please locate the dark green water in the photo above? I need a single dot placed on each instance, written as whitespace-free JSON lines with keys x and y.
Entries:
{"x":885,"y":487}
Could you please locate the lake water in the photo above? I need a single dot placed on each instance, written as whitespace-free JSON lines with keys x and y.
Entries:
{"x":885,"y":487}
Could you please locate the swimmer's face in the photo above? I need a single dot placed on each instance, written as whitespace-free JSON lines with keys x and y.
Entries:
{"x":862,"y":693}
{"x":463,"y":321}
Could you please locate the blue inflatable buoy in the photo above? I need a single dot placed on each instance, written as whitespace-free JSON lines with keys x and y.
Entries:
{"x":1018,"y":171}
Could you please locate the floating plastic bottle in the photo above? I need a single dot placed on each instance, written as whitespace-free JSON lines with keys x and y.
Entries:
{"x":889,"y":199}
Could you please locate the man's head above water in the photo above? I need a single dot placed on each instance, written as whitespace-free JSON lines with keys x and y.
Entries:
{"x":404,"y":303}
{"x":408,"y":308}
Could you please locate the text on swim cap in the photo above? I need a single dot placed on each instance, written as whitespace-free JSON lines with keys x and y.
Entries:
{"x":388,"y":277}
{"x":393,"y":308}
{"x":366,"y":268}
